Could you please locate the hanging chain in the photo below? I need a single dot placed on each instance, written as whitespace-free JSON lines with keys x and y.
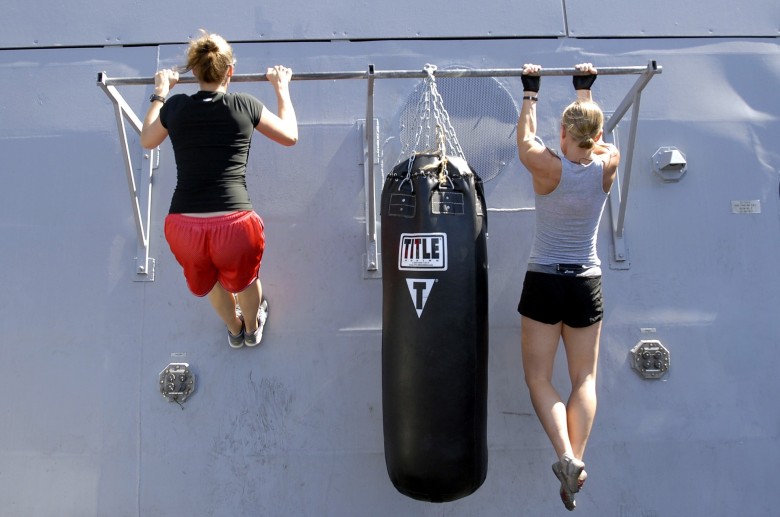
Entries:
{"x":434,"y":127}
{"x":443,"y":122}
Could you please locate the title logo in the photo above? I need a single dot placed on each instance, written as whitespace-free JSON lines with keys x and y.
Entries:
{"x":423,"y":252}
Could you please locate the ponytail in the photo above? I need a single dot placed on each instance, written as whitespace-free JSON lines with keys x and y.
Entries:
{"x":209,"y":58}
{"x":583,"y":120}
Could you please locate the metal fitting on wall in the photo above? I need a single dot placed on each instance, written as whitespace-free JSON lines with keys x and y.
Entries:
{"x":650,"y":358}
{"x":177,"y":382}
{"x":670,"y":164}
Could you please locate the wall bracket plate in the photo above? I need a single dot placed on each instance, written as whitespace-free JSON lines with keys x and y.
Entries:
{"x":177,"y":382}
{"x":650,"y":358}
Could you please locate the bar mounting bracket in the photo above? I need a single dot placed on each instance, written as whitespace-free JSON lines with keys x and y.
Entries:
{"x":618,"y":197}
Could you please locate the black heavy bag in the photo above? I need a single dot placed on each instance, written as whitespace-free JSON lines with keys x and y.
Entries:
{"x":434,"y":328}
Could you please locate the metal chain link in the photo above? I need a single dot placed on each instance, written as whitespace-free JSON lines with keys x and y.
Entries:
{"x":430,"y":109}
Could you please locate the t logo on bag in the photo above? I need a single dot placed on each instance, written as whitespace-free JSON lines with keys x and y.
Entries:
{"x":419,"y":288}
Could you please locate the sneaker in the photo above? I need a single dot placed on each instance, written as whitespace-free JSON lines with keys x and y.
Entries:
{"x":571,"y":473}
{"x":582,"y":478}
{"x":237,"y":341}
{"x":568,"y":499}
{"x":254,"y":338}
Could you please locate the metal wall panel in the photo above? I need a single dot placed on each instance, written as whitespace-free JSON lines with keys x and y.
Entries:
{"x":39,"y":23}
{"x":670,"y":18}
{"x":295,"y":426}
{"x":72,"y":324}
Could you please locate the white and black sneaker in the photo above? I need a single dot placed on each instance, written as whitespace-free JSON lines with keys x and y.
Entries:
{"x":237,"y":341}
{"x":254,"y":338}
{"x":571,"y":473}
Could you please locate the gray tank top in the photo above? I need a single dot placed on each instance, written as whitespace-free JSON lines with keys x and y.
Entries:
{"x":567,"y":219}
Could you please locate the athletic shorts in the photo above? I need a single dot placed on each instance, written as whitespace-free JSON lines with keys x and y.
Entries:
{"x":227,"y":249}
{"x":552,"y":298}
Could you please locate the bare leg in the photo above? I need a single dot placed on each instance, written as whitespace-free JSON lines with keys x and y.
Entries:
{"x":582,"y":350}
{"x":249,"y":299}
{"x":539,"y":345}
{"x":225,"y":305}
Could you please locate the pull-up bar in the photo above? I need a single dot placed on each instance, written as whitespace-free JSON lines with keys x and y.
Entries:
{"x":145,"y":265}
{"x":394,"y":74}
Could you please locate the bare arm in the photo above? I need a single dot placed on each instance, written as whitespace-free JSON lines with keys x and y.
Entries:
{"x":281,"y":128}
{"x":153,"y":133}
{"x":607,"y":153}
{"x":610,"y":155}
{"x":527,"y":145}
{"x":584,"y":95}
{"x":543,"y":165}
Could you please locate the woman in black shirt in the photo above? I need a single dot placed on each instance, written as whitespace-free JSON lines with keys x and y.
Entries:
{"x":211,"y":226}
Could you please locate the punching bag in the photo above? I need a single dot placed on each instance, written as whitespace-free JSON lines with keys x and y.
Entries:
{"x":434,"y":328}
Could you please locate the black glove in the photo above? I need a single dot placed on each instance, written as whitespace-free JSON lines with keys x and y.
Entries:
{"x":530,"y":83}
{"x":583,"y":82}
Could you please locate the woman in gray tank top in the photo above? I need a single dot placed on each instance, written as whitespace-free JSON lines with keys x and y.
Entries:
{"x":561,"y":297}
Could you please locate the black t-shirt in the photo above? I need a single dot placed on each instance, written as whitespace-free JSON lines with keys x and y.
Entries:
{"x":211,"y":134}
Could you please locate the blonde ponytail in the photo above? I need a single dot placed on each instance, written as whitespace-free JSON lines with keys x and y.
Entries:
{"x":583,"y":120}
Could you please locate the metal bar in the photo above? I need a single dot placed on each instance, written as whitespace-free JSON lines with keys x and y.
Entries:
{"x":119,"y":101}
{"x":614,"y":193}
{"x":619,"y":258}
{"x":136,"y":206}
{"x":651,"y":69}
{"x":372,"y":261}
{"x":627,"y":172}
{"x":123,"y":110}
{"x":145,"y":264}
{"x":149,"y":177}
{"x":621,"y":188}
{"x":397,"y":74}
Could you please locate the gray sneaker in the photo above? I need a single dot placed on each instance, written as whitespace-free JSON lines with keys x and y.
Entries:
{"x":237,"y":341}
{"x":254,"y":338}
{"x":571,"y":473}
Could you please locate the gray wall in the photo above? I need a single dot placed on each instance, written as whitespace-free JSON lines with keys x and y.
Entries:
{"x":295,"y":426}
{"x":38,"y":23}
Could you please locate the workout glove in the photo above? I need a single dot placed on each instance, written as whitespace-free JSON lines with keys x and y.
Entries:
{"x":530,"y":83}
{"x":583,"y":82}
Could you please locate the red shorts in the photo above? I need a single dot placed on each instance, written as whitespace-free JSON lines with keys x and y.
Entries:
{"x":227,"y":249}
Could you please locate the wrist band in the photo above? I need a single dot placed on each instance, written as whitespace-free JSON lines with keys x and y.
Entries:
{"x":530,"y":98}
{"x":156,"y":97}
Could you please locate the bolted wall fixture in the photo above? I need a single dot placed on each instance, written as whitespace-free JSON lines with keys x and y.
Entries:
{"x":650,"y":358}
{"x":669,"y":164}
{"x":177,"y":382}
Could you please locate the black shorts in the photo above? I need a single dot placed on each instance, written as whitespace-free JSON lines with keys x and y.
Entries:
{"x":551,"y":298}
